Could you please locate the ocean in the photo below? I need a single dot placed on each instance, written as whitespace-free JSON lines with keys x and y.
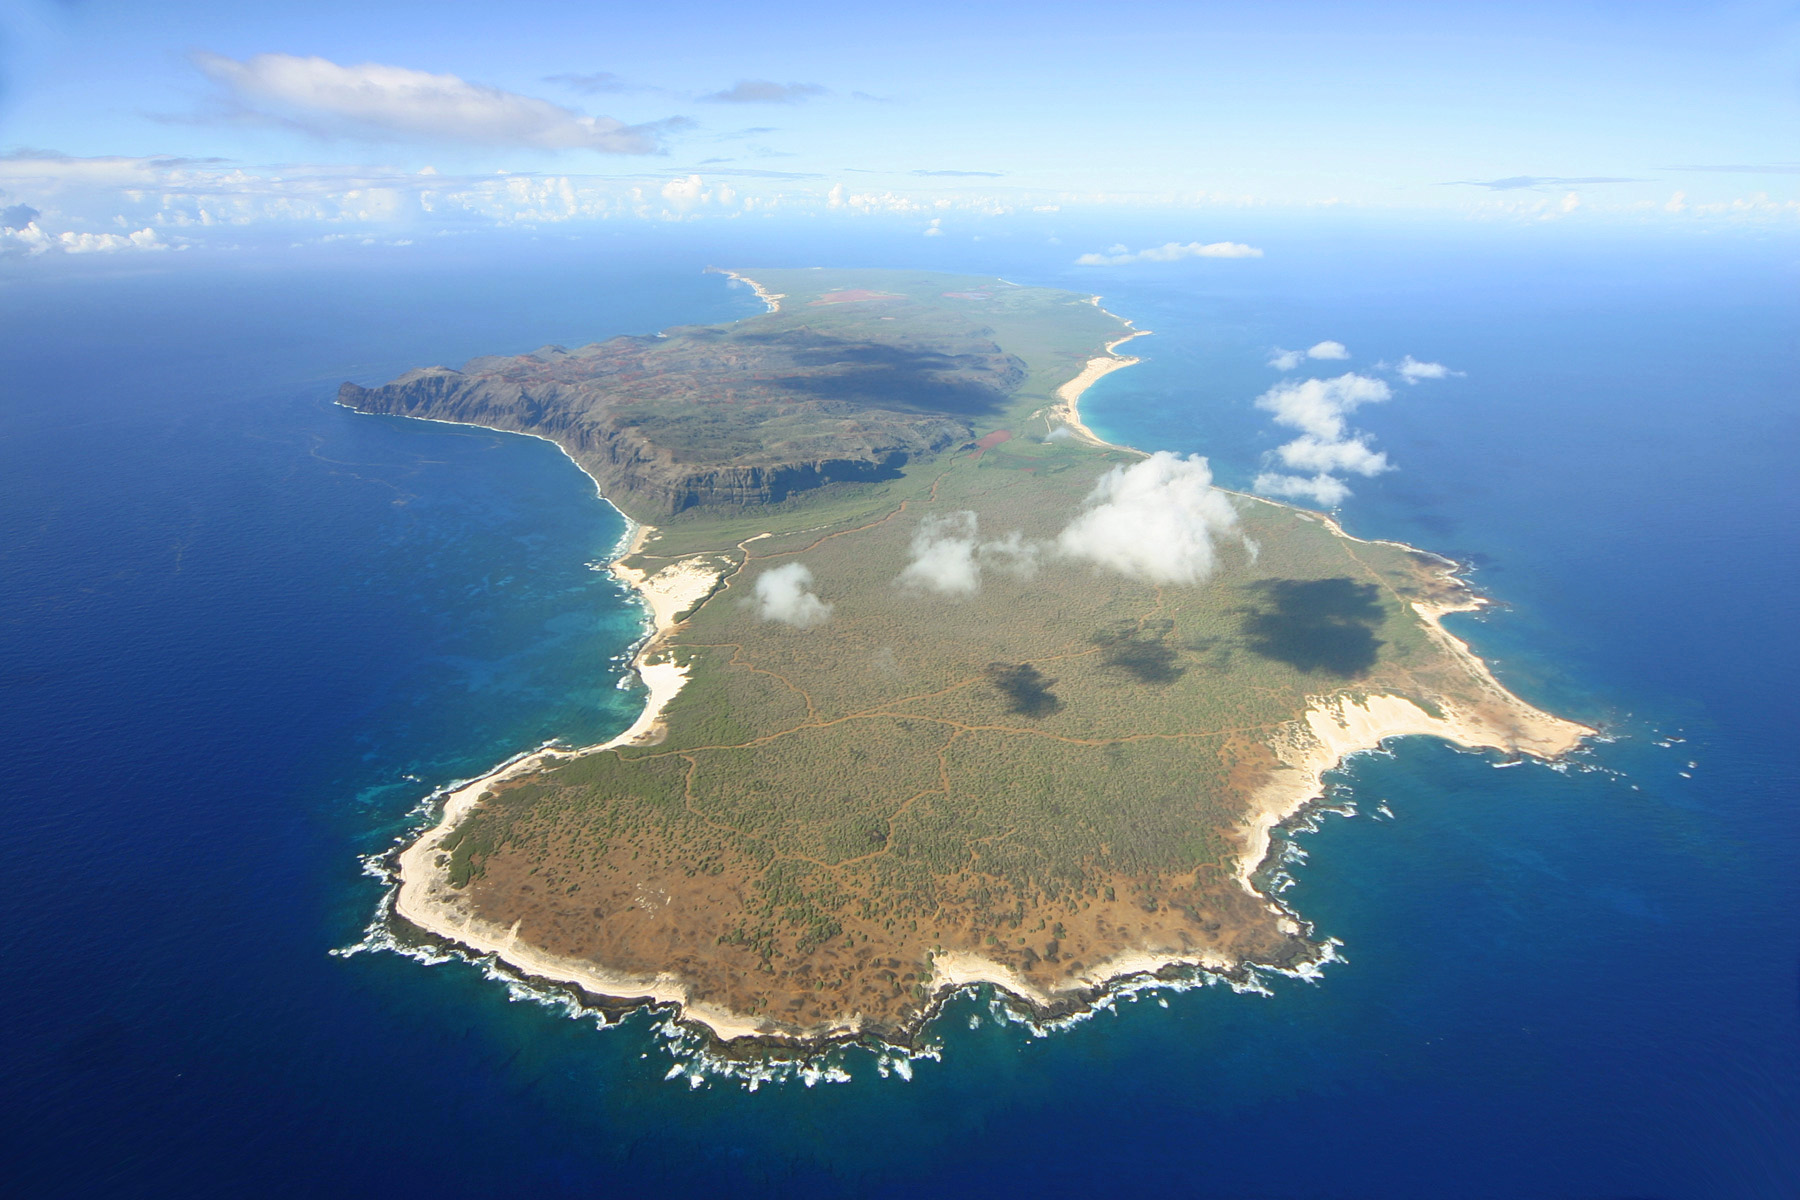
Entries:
{"x":246,"y":633}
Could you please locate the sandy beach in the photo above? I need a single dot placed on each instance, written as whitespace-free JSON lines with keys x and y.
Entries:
{"x":772,"y":299}
{"x":425,"y":897}
{"x":1336,"y":727}
{"x":1068,"y":396}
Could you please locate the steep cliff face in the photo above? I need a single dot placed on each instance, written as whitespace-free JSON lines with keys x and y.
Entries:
{"x":727,"y":416}
{"x":644,"y":478}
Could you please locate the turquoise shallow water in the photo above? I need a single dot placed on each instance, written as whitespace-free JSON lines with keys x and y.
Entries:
{"x":247,"y":632}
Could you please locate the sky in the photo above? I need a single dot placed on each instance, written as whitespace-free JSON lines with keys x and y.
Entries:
{"x":133,"y":127}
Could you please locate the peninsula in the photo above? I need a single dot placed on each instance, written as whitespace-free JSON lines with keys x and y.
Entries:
{"x":942,"y":688}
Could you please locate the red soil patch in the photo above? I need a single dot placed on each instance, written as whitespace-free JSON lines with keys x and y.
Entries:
{"x":991,"y":440}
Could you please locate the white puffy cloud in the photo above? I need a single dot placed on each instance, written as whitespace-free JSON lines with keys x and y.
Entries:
{"x":1318,"y":408}
{"x":1287,"y":360}
{"x":378,"y":99}
{"x":1169,"y":252}
{"x":1412,"y":370}
{"x":1323,"y":490}
{"x":943,"y":556}
{"x":683,"y":194}
{"x":23,"y":241}
{"x":1309,"y":453}
{"x":1155,"y":520}
{"x":948,"y":556}
{"x":785,"y":594}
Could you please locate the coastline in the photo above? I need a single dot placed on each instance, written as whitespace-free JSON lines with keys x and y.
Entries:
{"x":1332,"y":729}
{"x":772,"y":299}
{"x":424,"y":897}
{"x":1068,"y":407}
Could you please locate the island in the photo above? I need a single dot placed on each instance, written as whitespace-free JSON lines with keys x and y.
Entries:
{"x":940,"y":688}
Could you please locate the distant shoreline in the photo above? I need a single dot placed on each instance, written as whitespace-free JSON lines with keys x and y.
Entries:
{"x":772,"y":299}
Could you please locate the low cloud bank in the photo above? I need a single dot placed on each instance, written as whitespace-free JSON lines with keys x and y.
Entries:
{"x":785,"y":594}
{"x":948,"y":556}
{"x":1156,"y":520}
{"x":1169,"y":252}
{"x":29,"y":238}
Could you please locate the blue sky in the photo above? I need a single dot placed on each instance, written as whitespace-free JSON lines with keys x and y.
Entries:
{"x":184,"y":117}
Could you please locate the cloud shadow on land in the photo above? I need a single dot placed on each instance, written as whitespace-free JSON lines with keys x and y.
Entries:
{"x":879,"y":375}
{"x":1319,"y":626}
{"x":1144,"y":653}
{"x":1026,"y":689}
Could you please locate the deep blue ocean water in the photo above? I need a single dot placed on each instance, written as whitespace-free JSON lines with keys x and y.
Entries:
{"x":243,"y":633}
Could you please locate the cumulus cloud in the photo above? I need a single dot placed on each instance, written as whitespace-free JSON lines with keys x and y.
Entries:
{"x":376,"y":99}
{"x":1353,"y":455}
{"x":1412,"y":370}
{"x":766,"y":91}
{"x":785,"y":594}
{"x":1155,"y":520}
{"x":1319,"y":406}
{"x":1326,"y":447}
{"x":1169,"y":252}
{"x":683,"y":194}
{"x":948,"y":555}
{"x":1323,"y":490}
{"x":1287,"y":360}
{"x":24,"y":241}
